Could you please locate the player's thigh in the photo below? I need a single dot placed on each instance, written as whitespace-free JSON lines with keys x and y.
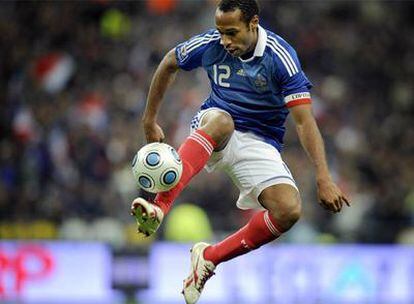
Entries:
{"x":283,"y":202}
{"x":219,"y":125}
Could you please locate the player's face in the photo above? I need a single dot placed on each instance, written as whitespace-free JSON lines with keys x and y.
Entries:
{"x":237,"y":37}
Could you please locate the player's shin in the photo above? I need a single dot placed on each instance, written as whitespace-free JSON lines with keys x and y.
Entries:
{"x":194,"y":152}
{"x":261,"y":229}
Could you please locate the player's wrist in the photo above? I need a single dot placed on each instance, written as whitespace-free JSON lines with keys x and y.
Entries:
{"x":323,"y":179}
{"x":148,"y":120}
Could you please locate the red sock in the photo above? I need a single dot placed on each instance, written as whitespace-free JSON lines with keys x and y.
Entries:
{"x":260,"y":230}
{"x":194,"y":152}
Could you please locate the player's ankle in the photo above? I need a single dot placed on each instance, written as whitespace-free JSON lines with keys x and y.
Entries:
{"x":163,"y":206}
{"x":208,"y":255}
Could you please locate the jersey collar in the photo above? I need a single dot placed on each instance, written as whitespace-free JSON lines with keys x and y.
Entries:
{"x":260,"y":45}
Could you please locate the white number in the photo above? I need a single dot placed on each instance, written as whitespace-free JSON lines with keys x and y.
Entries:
{"x":222,"y":75}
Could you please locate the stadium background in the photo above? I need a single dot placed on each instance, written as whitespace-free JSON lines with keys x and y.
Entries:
{"x":74,"y":76}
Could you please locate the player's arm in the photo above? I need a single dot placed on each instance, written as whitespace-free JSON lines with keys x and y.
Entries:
{"x":185,"y":56}
{"x":162,"y":79}
{"x":329,"y":194}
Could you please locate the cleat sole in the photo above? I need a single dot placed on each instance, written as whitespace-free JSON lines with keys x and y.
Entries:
{"x":147,"y":216}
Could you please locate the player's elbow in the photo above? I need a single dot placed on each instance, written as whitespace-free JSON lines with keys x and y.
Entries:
{"x":306,"y":126}
{"x":169,"y":62}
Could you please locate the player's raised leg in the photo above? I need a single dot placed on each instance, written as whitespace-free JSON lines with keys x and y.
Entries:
{"x":283,"y":205}
{"x":215,"y":129}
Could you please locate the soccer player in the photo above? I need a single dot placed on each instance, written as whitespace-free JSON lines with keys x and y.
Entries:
{"x":256,"y":80}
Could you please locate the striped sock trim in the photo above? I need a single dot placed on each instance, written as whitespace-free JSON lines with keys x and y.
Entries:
{"x":202,"y":136}
{"x":206,"y":137}
{"x":203,"y":142}
{"x":270,"y":225}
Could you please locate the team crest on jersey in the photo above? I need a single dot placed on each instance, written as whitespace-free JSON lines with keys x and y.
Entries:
{"x":260,"y":82}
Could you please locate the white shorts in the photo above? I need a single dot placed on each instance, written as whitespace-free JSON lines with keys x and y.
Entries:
{"x":251,"y":163}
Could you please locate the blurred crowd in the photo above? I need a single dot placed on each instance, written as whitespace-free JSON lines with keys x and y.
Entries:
{"x":74,"y":78}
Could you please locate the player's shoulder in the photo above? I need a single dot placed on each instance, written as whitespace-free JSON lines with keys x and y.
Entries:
{"x":207,"y":37}
{"x":197,"y":45}
{"x":275,"y":41}
{"x":282,"y":53}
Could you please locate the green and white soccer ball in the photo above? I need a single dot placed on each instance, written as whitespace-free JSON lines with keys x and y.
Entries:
{"x":157,"y":167}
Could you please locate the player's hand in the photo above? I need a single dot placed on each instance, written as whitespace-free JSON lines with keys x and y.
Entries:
{"x":330,"y":196}
{"x":153,"y":132}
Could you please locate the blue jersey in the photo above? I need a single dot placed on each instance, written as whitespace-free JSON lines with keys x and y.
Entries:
{"x":256,"y":92}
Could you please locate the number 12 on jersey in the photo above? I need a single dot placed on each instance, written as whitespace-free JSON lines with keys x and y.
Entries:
{"x":220,"y":74}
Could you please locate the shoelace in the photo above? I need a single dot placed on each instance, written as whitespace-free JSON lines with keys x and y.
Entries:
{"x":207,"y":274}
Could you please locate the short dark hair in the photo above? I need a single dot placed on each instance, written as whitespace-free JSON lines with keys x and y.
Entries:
{"x":249,"y":8}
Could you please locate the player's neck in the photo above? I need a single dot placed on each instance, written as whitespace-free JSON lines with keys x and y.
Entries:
{"x":250,"y":51}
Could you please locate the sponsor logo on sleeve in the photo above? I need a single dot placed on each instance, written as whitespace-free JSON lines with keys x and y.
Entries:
{"x":296,"y":96}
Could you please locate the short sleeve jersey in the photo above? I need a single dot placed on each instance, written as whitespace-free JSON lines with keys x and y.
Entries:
{"x":256,"y":92}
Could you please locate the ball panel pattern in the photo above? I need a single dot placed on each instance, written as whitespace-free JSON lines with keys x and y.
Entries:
{"x":169,"y":177}
{"x":145,"y":182}
{"x":157,"y":167}
{"x":153,"y":159}
{"x":176,"y":155}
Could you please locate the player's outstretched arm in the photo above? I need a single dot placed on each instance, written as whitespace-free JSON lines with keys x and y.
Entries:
{"x":330,"y":196}
{"x":162,"y":79}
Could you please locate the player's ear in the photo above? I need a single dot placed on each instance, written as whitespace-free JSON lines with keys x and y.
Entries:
{"x":254,"y":22}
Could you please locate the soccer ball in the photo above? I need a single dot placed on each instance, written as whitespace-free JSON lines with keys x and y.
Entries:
{"x":157,"y":167}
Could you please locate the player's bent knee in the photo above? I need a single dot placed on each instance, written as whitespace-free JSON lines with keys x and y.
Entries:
{"x":283,"y":203}
{"x":218,"y":125}
{"x":287,"y":214}
{"x":294,"y":215}
{"x":226,"y":123}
